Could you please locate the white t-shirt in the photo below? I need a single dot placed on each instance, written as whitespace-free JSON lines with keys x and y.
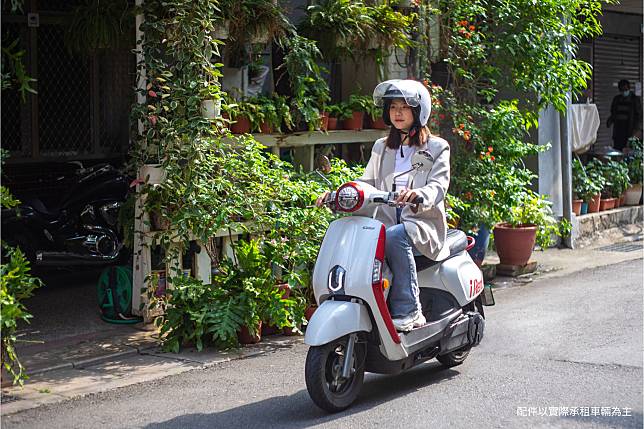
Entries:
{"x":403,"y":164}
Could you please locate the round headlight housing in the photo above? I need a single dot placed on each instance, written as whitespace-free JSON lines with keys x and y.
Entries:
{"x":349,"y":197}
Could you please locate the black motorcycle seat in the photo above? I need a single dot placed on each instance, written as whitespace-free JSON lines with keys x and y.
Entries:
{"x":456,"y":241}
{"x":37,"y":204}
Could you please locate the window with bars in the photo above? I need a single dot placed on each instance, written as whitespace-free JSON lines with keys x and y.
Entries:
{"x":83,"y":102}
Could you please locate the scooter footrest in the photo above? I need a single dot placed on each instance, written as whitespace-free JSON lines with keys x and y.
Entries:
{"x":429,"y":332}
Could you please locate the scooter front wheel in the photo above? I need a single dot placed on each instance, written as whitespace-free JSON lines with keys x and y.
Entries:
{"x":323,"y":372}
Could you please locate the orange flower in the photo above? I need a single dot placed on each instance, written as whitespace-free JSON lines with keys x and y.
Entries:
{"x":492,"y":193}
{"x":482,"y":156}
{"x":468,"y":35}
{"x":472,"y":28}
{"x":468,"y":195}
{"x":492,"y":157}
{"x":461,"y":126}
{"x":466,"y":136}
{"x":490,"y":149}
{"x":461,"y":31}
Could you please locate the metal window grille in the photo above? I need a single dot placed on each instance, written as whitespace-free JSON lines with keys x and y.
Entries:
{"x":64,"y":101}
{"x":11,"y":135}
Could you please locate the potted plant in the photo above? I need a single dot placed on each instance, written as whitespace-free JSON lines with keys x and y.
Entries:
{"x":245,"y":116}
{"x":594,"y":170}
{"x":620,"y":181}
{"x":635,"y":169}
{"x":273,"y":112}
{"x":389,"y":28}
{"x":579,"y":179}
{"x":531,"y":221}
{"x":335,"y":112}
{"x":358,"y":104}
{"x":586,"y":187}
{"x":308,"y":85}
{"x":339,"y":26}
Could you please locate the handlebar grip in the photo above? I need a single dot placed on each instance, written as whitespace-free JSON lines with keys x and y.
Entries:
{"x":418,"y":200}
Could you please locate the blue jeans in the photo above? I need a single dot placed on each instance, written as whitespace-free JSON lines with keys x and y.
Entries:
{"x":404,"y":293}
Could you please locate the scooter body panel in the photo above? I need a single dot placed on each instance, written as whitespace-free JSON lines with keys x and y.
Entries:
{"x":334,"y":319}
{"x":458,"y":275}
{"x":349,"y":243}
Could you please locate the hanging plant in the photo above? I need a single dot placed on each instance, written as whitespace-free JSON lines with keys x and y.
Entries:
{"x":99,"y":24}
{"x":338,"y":26}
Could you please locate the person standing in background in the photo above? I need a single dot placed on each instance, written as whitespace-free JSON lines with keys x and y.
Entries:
{"x":625,"y":115}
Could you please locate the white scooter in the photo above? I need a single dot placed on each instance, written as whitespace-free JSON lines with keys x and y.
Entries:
{"x":352,"y":331}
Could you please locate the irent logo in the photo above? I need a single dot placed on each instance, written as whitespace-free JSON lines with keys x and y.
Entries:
{"x":476,"y":286}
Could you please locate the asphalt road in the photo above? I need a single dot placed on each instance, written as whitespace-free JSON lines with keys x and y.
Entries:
{"x":569,"y":344}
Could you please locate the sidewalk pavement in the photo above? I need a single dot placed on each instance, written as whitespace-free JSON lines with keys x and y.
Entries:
{"x":61,"y":370}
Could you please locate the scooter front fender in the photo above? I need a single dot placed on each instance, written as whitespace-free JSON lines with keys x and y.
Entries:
{"x":334,"y":319}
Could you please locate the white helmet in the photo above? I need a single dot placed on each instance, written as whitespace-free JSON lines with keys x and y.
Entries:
{"x":413,"y":92}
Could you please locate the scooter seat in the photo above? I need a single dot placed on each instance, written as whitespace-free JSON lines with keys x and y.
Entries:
{"x":456,"y":241}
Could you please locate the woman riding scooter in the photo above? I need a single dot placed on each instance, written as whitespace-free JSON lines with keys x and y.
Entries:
{"x":410,"y":230}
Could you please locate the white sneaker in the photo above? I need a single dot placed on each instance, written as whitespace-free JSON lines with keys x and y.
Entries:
{"x":407,"y":323}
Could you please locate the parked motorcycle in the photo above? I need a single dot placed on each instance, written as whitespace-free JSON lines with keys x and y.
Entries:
{"x":352,"y":331}
{"x":80,"y":229}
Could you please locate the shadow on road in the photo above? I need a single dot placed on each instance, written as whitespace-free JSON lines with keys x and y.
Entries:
{"x":298,"y":410}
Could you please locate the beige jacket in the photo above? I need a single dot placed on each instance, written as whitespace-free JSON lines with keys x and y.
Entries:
{"x":427,"y":228}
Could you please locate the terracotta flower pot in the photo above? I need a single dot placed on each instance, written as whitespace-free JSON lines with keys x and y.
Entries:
{"x":266,"y":128}
{"x":158,"y":222}
{"x":606,"y":204}
{"x":622,"y":199}
{"x":267,"y":327}
{"x":633,"y":195}
{"x":290,"y":332}
{"x":379,"y":124}
{"x":242,"y":125}
{"x":576,"y":206}
{"x":324,"y":123}
{"x":514,"y":245}
{"x":593,"y":204}
{"x":332,"y":124}
{"x":354,"y":122}
{"x":308,"y":313}
{"x":245,"y":337}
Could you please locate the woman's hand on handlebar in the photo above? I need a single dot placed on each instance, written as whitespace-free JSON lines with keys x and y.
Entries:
{"x":406,"y":196}
{"x":411,"y":197}
{"x":321,"y":199}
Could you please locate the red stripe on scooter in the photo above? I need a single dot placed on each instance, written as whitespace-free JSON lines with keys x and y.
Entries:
{"x":384,"y":311}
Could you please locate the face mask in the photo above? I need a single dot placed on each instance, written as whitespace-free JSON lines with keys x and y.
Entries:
{"x":626,"y":93}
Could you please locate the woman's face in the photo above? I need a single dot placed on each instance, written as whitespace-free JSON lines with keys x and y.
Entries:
{"x":401,"y":115}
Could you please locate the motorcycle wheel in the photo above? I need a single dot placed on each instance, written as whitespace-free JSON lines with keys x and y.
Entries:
{"x":323,"y":373}
{"x":454,"y":358}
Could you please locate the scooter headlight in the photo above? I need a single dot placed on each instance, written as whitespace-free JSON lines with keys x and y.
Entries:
{"x":349,"y":197}
{"x":335,"y":282}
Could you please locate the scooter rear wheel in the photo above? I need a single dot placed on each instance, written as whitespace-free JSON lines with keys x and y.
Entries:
{"x":323,"y":371}
{"x":454,"y":358}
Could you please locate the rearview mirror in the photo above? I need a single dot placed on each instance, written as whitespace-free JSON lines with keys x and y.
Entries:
{"x":422,"y":161}
{"x":323,"y":164}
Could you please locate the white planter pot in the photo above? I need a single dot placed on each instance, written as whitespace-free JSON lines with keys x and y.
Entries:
{"x":633,"y":195}
{"x":211,"y":109}
{"x":260,"y":38}
{"x":221,"y":31}
{"x":152,"y":174}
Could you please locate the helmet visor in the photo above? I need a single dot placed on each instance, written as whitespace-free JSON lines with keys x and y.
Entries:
{"x":396,"y":88}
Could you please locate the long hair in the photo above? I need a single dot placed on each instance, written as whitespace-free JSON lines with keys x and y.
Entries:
{"x":394,"y":138}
